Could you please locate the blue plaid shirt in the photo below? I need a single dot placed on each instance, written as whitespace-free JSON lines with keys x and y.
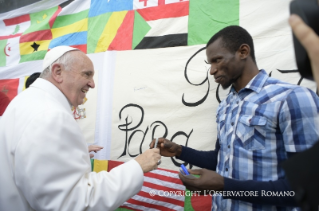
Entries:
{"x":257,"y":126}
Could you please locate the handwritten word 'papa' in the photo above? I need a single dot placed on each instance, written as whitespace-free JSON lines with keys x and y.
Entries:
{"x":132,"y":130}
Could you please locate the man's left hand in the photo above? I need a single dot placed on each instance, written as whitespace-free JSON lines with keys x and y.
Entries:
{"x":208,"y":180}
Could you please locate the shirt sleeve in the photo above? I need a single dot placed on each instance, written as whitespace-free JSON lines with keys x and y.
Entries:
{"x":202,"y":159}
{"x":298,"y":119}
{"x":54,"y":169}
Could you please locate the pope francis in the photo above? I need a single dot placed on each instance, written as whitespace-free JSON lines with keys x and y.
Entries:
{"x":44,"y":160}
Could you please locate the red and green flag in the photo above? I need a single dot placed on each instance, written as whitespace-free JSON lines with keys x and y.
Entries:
{"x":34,"y":42}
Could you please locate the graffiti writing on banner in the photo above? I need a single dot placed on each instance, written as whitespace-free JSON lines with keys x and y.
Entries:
{"x":206,"y":82}
{"x":132,"y":130}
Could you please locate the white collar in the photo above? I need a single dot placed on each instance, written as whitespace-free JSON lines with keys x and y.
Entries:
{"x":50,"y":88}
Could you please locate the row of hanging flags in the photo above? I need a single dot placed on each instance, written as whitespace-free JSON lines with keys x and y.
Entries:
{"x":108,"y":25}
{"x":96,"y":26}
{"x":92,"y":26}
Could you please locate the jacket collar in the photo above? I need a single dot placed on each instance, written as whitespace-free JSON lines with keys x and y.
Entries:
{"x":50,"y":88}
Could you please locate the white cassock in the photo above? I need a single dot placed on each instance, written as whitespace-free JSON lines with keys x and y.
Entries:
{"x":44,"y":159}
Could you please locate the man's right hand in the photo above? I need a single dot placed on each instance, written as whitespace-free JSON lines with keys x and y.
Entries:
{"x":168,"y":148}
{"x":148,"y":160}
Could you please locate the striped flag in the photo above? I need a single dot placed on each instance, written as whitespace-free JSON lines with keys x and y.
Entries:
{"x":11,"y":30}
{"x":114,"y":25}
{"x":70,"y":26}
{"x":34,"y":42}
{"x":70,"y":30}
{"x":168,"y":22}
{"x":162,"y":190}
{"x":110,"y":25}
{"x":121,"y":30}
{"x":110,"y":31}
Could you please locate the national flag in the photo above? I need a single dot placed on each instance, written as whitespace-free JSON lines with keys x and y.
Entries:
{"x":11,"y":30}
{"x":141,"y":28}
{"x":168,"y":21}
{"x":10,"y":87}
{"x":114,"y":31}
{"x":162,"y":190}
{"x":71,"y":30}
{"x":35,"y":41}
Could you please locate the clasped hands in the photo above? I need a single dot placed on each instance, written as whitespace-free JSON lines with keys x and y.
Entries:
{"x":208,"y":180}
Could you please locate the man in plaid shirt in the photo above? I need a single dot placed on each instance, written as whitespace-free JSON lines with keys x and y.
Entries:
{"x":262,"y":122}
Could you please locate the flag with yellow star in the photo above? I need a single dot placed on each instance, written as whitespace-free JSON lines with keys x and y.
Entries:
{"x":35,"y":41}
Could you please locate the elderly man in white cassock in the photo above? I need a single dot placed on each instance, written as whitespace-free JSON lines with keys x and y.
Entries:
{"x":44,"y":159}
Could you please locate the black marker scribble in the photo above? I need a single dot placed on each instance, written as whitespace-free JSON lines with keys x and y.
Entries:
{"x":299,"y":82}
{"x":124,"y":127}
{"x":153,"y":132}
{"x":206,"y":79}
{"x":292,"y":71}
{"x":127,"y":127}
{"x":141,"y":120}
{"x":130,"y":138}
{"x":288,"y":71}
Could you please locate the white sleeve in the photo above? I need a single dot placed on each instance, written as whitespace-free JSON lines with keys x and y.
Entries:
{"x":52,"y":169}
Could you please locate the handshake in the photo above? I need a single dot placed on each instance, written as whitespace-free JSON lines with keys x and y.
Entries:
{"x":151,"y":158}
{"x":207,"y":180}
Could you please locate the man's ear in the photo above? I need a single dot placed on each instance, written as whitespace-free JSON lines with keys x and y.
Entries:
{"x":56,"y":72}
{"x":244,"y":51}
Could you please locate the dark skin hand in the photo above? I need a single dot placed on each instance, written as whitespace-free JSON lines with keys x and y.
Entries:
{"x":168,"y":148}
{"x":208,"y":180}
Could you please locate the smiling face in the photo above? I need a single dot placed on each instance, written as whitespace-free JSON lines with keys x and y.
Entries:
{"x":226,"y":66}
{"x":77,"y":81}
